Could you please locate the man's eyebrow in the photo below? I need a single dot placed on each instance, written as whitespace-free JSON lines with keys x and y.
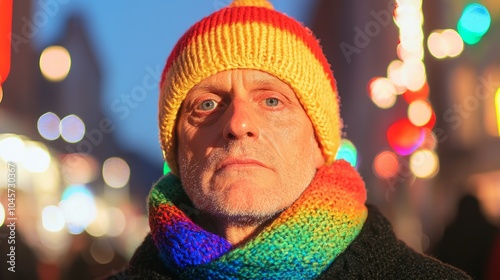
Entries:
{"x":208,"y":88}
{"x":273,"y":85}
{"x":266,"y":82}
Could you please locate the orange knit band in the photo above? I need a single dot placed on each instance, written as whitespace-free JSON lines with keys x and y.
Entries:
{"x":251,"y":37}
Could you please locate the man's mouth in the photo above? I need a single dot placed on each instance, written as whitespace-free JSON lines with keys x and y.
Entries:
{"x":239,"y":162}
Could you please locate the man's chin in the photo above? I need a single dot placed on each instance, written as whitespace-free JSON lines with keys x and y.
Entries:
{"x":246,"y":219}
{"x":243,"y":212}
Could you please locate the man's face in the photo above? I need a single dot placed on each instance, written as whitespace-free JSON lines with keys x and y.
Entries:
{"x":246,"y":146}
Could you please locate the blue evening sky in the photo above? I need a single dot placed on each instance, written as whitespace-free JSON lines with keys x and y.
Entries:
{"x":132,"y":40}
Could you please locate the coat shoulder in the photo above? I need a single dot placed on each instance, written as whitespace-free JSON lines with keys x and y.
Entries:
{"x":377,"y":254}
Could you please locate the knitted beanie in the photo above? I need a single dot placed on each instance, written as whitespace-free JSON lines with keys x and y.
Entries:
{"x":250,"y":34}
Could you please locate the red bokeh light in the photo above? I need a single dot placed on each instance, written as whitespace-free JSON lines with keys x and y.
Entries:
{"x":404,"y":137}
{"x":5,"y":38}
{"x":422,"y":93}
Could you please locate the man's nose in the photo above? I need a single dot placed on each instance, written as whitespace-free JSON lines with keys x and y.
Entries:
{"x":241,"y":121}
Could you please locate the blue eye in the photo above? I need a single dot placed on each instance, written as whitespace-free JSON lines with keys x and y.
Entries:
{"x":272,"y":102}
{"x":208,"y":105}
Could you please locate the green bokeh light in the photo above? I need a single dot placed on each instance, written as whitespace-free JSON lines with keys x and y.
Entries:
{"x":166,"y":169}
{"x":348,"y":152}
{"x":474,"y":23}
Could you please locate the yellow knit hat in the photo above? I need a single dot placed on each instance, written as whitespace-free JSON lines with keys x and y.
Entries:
{"x":250,"y":34}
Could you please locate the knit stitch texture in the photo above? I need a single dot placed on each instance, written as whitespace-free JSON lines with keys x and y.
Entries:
{"x":376,"y":253}
{"x":249,"y":34}
{"x":299,"y":244}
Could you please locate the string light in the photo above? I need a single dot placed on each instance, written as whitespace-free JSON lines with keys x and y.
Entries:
{"x":382,"y":92}
{"x":474,"y":23}
{"x":408,"y":78}
{"x":419,"y":112}
{"x":497,"y":107}
{"x":386,"y":165}
{"x":394,"y":74}
{"x":72,"y":129}
{"x":116,"y":172}
{"x":445,"y":43}
{"x":424,"y":164}
{"x":48,"y":126}
{"x":55,"y":63}
{"x":421,"y":93}
{"x":404,"y":137}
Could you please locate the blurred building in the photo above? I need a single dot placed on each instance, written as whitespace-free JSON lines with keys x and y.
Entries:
{"x":362,"y":40}
{"x":55,"y":132}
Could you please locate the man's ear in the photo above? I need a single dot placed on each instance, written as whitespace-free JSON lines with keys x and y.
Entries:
{"x":318,"y":155}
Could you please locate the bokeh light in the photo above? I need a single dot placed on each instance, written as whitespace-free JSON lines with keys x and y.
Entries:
{"x":445,"y":43}
{"x":474,"y":23}
{"x":497,"y":108}
{"x":382,"y":92}
{"x":409,"y":18}
{"x":36,"y":157}
{"x":424,"y":164}
{"x":411,"y":39}
{"x":1,"y":93}
{"x":413,"y":73}
{"x":405,"y":54}
{"x":53,"y":218}
{"x":74,"y":199}
{"x":55,"y":244}
{"x":48,"y":126}
{"x":386,"y":165}
{"x":347,"y":151}
{"x":419,"y":112}
{"x":432,"y":121}
{"x":79,"y":168}
{"x":2,"y":214}
{"x":453,"y":42}
{"x":117,"y":222}
{"x":435,"y":45}
{"x":166,"y":168}
{"x":421,"y":93}
{"x":116,"y":172}
{"x":99,"y":227}
{"x":72,"y":128}
{"x":394,"y":73}
{"x":49,"y":181}
{"x":55,"y":63}
{"x":430,"y":140}
{"x":404,"y":137}
{"x":12,"y":148}
{"x":102,"y":251}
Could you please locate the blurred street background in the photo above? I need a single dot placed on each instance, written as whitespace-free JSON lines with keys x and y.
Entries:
{"x":419,"y":83}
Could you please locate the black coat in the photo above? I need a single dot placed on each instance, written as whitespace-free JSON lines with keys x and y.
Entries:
{"x":376,"y":253}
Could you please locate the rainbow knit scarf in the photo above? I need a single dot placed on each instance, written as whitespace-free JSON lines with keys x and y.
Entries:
{"x":299,"y":244}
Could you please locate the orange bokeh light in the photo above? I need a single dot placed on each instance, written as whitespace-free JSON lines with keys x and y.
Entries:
{"x":386,"y":165}
{"x":422,"y":93}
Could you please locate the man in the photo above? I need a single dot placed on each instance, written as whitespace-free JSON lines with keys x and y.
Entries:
{"x":249,"y":125}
